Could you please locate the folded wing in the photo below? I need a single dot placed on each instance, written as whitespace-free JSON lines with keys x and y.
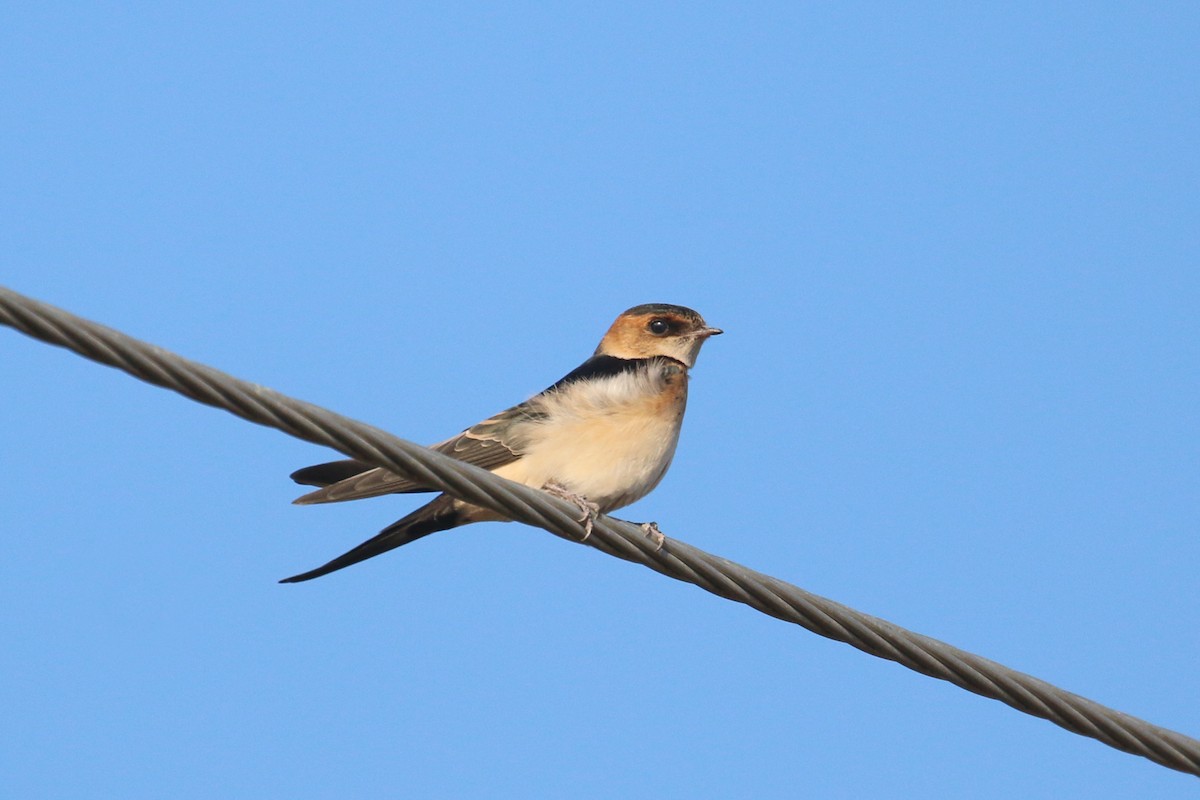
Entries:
{"x":492,"y":443}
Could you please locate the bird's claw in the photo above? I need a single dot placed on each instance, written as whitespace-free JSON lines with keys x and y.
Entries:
{"x":654,"y":534}
{"x":589,"y":511}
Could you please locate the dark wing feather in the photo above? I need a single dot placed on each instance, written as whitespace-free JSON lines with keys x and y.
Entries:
{"x":330,"y":472}
{"x":490,"y":444}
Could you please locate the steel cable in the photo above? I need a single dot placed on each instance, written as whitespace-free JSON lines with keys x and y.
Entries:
{"x":624,"y":540}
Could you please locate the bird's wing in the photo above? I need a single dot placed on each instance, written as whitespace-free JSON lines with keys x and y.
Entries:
{"x":496,"y":441}
{"x":330,"y":472}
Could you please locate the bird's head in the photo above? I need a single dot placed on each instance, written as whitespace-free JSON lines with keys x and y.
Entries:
{"x":657,"y":329}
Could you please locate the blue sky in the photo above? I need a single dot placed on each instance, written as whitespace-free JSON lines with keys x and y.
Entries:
{"x":955,"y":252}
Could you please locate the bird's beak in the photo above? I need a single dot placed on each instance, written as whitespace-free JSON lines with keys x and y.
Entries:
{"x":707,"y":332}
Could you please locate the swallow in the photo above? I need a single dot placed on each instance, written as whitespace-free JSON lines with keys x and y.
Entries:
{"x":601,"y":437}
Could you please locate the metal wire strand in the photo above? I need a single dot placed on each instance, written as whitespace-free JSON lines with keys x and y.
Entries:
{"x":674,"y":559}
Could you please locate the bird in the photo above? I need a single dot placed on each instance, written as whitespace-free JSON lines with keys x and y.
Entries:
{"x":601,"y":437}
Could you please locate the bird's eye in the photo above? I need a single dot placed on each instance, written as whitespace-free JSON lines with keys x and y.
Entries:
{"x":658,"y":326}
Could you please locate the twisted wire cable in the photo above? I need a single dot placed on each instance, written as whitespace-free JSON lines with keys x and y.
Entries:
{"x":674,"y":558}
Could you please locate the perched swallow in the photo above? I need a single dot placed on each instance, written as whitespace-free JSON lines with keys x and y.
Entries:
{"x":602,"y":436}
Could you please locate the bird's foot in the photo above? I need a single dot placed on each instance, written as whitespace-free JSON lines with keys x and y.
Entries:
{"x":653,"y":534}
{"x":588,"y":510}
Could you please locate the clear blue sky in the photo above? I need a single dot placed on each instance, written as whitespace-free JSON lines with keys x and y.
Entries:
{"x":955,"y":250}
